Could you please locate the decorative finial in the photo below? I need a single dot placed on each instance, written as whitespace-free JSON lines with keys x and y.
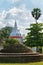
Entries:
{"x":15,"y":25}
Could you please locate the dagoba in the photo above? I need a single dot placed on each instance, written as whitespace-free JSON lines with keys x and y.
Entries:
{"x":16,"y":33}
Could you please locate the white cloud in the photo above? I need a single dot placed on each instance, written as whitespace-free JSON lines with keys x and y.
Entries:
{"x":3,"y":14}
{"x":22,"y":15}
{"x":14,"y":11}
{"x":13,"y":1}
{"x":10,"y":23}
{"x":2,"y":24}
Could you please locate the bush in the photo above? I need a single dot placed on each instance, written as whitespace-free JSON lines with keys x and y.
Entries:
{"x":10,"y":41}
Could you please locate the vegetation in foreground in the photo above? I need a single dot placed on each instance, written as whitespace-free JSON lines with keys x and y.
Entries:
{"x":35,"y":63}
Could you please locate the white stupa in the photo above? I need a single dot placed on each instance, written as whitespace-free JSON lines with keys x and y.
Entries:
{"x":16,"y":33}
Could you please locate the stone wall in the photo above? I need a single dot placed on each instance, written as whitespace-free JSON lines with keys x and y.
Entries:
{"x":20,"y":58}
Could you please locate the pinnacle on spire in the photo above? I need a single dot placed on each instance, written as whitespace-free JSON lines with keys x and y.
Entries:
{"x":15,"y":26}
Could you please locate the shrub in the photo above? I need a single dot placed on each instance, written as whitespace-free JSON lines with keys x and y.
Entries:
{"x":10,"y":41}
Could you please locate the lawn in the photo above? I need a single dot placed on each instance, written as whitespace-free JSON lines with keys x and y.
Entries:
{"x":36,"y":63}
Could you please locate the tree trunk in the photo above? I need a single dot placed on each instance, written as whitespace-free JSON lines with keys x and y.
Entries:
{"x":36,"y":21}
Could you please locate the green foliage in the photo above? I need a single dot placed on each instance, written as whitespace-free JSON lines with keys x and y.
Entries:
{"x":36,"y":13}
{"x":4,"y":33}
{"x":35,"y":35}
{"x":10,"y":41}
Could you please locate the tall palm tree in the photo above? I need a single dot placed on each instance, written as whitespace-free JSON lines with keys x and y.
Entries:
{"x":36,"y":13}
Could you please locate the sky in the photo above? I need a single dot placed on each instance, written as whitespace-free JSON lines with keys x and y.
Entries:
{"x":19,"y":10}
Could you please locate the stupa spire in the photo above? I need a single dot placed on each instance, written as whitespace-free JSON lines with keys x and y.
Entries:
{"x":15,"y":26}
{"x":16,"y":33}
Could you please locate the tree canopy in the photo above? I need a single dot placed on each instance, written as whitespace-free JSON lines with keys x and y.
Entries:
{"x":35,"y":35}
{"x":4,"y":33}
{"x":36,"y":13}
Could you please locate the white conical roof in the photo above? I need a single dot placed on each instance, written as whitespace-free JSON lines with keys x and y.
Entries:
{"x":15,"y":31}
{"x":15,"y":26}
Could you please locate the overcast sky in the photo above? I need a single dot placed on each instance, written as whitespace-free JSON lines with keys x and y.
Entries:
{"x":19,"y":10}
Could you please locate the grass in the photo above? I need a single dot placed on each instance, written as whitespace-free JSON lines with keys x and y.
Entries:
{"x":36,"y":63}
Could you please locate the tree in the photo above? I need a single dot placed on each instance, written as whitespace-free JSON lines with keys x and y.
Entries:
{"x":34,"y":36}
{"x":36,"y":13}
{"x":4,"y":33}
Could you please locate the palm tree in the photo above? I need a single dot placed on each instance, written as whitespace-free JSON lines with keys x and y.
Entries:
{"x":36,"y":13}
